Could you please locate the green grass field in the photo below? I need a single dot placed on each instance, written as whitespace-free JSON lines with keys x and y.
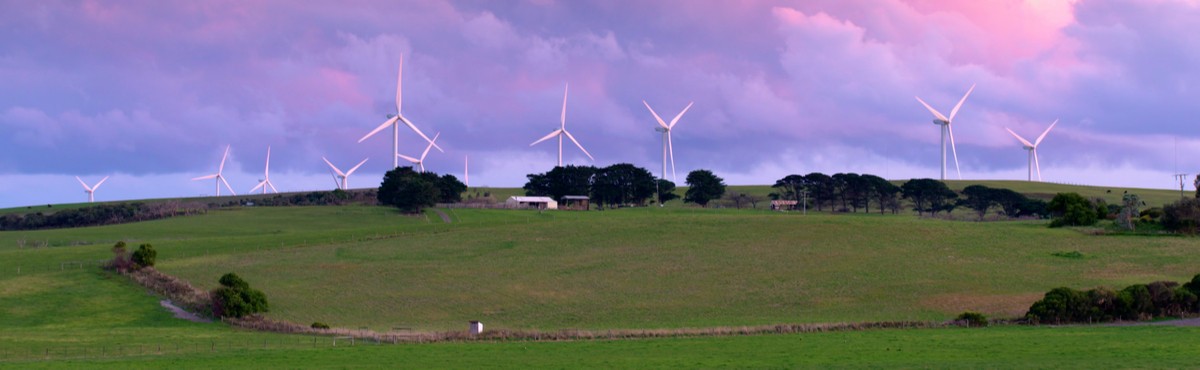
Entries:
{"x":358,"y":266}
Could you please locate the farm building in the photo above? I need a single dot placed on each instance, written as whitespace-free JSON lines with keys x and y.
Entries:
{"x":783,"y":205}
{"x":531,"y":202}
{"x":575,"y":202}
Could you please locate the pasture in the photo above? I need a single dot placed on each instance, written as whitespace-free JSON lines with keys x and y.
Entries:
{"x":359,"y":266}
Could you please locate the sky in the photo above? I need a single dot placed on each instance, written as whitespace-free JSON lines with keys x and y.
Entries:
{"x":150,"y":93}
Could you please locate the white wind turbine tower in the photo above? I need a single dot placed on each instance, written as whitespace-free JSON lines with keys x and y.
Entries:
{"x":394,"y":122}
{"x":562,"y":130}
{"x":665,"y":129}
{"x":218,"y":176}
{"x":945,"y":123}
{"x":421,"y":162}
{"x":467,"y":171}
{"x":266,"y":181}
{"x":1032,"y":148}
{"x":344,"y":175}
{"x":91,"y":190}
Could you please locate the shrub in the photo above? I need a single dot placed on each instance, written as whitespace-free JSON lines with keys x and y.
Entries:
{"x":1060,"y":305}
{"x":235,"y":298}
{"x":1182,"y":216}
{"x":144,"y":256}
{"x":1071,"y":254}
{"x":319,"y":325}
{"x":1194,"y":285}
{"x":1071,"y":209}
{"x":973,"y":319}
{"x":120,"y":260}
{"x":1134,"y":302}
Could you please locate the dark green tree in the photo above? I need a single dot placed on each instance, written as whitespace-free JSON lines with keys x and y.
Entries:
{"x":790,"y":187}
{"x":407,"y":190}
{"x":144,"y":256}
{"x":928,"y":195}
{"x":622,"y":184}
{"x":820,"y":189}
{"x":666,"y":190}
{"x":450,"y":189}
{"x":979,"y":198}
{"x":235,"y":298}
{"x":703,"y":186}
{"x":884,"y":192}
{"x":561,"y":181}
{"x":1071,"y":209}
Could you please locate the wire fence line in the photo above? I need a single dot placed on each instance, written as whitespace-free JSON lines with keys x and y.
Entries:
{"x":10,"y":352}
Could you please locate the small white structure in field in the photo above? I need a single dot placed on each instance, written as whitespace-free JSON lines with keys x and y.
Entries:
{"x":476,"y":328}
{"x":532,"y":202}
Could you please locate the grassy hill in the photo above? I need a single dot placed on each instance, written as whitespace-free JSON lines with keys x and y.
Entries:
{"x":358,"y":266}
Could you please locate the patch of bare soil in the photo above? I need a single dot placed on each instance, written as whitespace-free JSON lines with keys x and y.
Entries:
{"x":181,"y":313}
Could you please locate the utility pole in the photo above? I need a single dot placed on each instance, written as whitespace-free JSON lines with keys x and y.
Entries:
{"x":1181,"y":176}
{"x":804,"y":195}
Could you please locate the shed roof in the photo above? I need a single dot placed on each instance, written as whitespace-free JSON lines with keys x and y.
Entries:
{"x":575,"y":197}
{"x":531,"y":199}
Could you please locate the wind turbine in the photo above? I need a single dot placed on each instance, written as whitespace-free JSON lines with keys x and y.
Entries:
{"x":1032,"y":148}
{"x":945,"y":123}
{"x":91,"y":190}
{"x":266,"y":181}
{"x":394,"y":122}
{"x":467,"y":171}
{"x":344,"y":175}
{"x":665,"y":129}
{"x":421,"y":162}
{"x":218,"y":176}
{"x":562,"y":130}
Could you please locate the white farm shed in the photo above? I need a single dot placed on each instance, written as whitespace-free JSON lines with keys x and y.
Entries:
{"x":532,"y":202}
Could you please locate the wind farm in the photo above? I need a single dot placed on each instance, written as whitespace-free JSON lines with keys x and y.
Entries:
{"x":810,"y":221}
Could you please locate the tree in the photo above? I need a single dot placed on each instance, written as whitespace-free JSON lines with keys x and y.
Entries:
{"x":790,"y":187}
{"x":622,"y":184}
{"x":407,"y":190}
{"x":703,"y":186}
{"x":1071,"y":209}
{"x":561,"y":181}
{"x":235,"y":298}
{"x":884,"y":192}
{"x":927,"y":195}
{"x":450,"y":189}
{"x":666,"y":191}
{"x":144,"y":256}
{"x":978,"y":198}
{"x":820,"y":188}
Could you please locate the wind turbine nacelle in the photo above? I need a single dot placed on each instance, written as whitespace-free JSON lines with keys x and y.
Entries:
{"x":940,"y":122}
{"x":660,"y":129}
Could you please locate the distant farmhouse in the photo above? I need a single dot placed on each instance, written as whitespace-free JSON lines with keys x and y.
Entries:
{"x":531,"y":202}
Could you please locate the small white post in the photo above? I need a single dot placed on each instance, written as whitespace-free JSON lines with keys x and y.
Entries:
{"x":476,"y":327}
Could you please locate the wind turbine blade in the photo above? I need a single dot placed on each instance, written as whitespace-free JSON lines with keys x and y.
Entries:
{"x":954,"y":150}
{"x":385,"y":124}
{"x":563,"y":118}
{"x":960,"y":103}
{"x":222,"y":167}
{"x":356,"y":167}
{"x":335,"y":169}
{"x":676,"y":119}
{"x":548,"y":137}
{"x":272,"y":186}
{"x":260,"y":184}
{"x":418,"y":131}
{"x":399,"y":74}
{"x":656,"y":117}
{"x":578,"y":145}
{"x":227,"y":185}
{"x":85,"y":185}
{"x":203,"y":177}
{"x":410,"y":159}
{"x":671,"y":150}
{"x":430,"y":146}
{"x":1043,"y":136}
{"x":267,"y":169}
{"x":1023,"y":141}
{"x":97,"y":186}
{"x":1036,"y":164}
{"x":936,"y":114}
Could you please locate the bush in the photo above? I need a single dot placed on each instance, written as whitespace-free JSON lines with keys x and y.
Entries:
{"x":1060,"y":305}
{"x":1071,"y":209}
{"x":973,"y":319}
{"x":235,"y":298}
{"x":319,"y":325}
{"x":144,"y":256}
{"x":1182,"y":216}
{"x":120,"y":260}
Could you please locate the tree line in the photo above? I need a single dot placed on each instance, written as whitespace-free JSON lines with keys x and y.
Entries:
{"x":851,"y":192}
{"x":621,"y":185}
